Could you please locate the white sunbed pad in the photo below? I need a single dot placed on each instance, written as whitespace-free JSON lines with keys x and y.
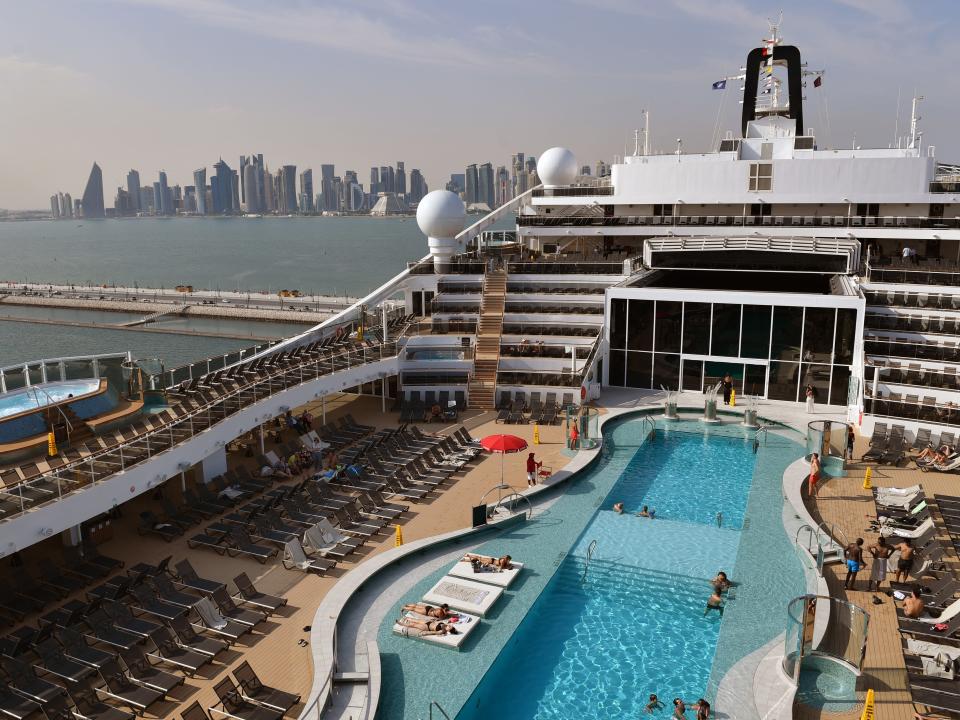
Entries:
{"x":272,"y":457}
{"x":501,"y":578}
{"x":465,"y":624}
{"x":930,"y":649}
{"x":312,"y":441}
{"x":466,"y":595}
{"x":898,"y":492}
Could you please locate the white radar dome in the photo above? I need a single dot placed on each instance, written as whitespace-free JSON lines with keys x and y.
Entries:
{"x":441,"y":214}
{"x":557,"y":166}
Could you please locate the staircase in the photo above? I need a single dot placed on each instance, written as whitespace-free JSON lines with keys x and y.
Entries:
{"x":80,"y":431}
{"x":486,"y":357}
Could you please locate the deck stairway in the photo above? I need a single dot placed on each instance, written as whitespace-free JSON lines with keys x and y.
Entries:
{"x":79,"y":430}
{"x":483,"y":384}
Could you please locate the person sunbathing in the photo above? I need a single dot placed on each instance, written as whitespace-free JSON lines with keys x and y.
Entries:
{"x":492,"y":563}
{"x":428,"y":627}
{"x":441,"y":612}
{"x":930,"y":456}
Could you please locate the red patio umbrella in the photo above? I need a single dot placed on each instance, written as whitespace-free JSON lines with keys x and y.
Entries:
{"x":503,"y":444}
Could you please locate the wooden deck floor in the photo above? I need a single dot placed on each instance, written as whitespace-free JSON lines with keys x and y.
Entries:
{"x":273,"y":649}
{"x":845,"y":502}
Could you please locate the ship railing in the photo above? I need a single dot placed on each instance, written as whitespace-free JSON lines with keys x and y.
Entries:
{"x":909,"y":349}
{"x":198,"y":368}
{"x":929,"y":272}
{"x":209,"y":409}
{"x":75,"y":367}
{"x":743,"y":220}
{"x":574,"y":191}
{"x":913,"y":407}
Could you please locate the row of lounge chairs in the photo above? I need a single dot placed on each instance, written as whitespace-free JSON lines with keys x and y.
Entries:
{"x":930,"y":644}
{"x":886,"y":449}
{"x":516,"y":410}
{"x":132,"y":642}
{"x":415,"y":409}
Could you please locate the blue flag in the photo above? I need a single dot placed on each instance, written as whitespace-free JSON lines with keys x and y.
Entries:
{"x":720,"y":85}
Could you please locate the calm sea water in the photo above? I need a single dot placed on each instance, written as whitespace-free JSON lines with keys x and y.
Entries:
{"x":335,"y":255}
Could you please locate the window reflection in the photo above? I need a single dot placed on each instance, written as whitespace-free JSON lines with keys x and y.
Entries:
{"x":755,"y":342}
{"x":618,"y":323}
{"x":787,"y":330}
{"x":784,"y":377}
{"x":818,"y":334}
{"x":617,"y":365}
{"x":696,"y":328}
{"x":640,"y":334}
{"x":668,"y":325}
{"x":845,"y":336}
{"x":638,"y":369}
{"x":693,"y":375}
{"x":818,"y":376}
{"x":726,"y":330}
{"x":666,"y":371}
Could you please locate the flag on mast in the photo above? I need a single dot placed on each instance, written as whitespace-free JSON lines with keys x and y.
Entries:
{"x":719,"y":85}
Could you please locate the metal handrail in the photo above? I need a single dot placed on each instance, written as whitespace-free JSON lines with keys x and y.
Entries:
{"x":586,"y":565}
{"x":213,"y":411}
{"x":501,"y":497}
{"x":653,"y":426}
{"x":434,"y":703}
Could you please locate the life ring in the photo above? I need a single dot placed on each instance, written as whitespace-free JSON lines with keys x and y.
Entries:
{"x":583,"y":392}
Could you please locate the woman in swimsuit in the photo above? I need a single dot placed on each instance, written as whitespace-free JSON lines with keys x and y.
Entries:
{"x":814,"y":477}
{"x":500,"y":563}
{"x":703,"y":709}
{"x":428,"y":627}
{"x":441,"y":612}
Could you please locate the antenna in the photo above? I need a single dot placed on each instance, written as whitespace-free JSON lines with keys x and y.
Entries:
{"x":636,"y":142}
{"x":916,"y":134}
{"x":646,"y":132}
{"x":896,"y":126}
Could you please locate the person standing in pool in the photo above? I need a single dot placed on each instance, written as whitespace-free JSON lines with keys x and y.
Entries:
{"x":679,"y":709}
{"x":714,"y":603}
{"x":853,"y":554}
{"x":702,"y":708}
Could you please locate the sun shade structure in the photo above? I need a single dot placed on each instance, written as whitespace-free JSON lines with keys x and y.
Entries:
{"x":503,"y":444}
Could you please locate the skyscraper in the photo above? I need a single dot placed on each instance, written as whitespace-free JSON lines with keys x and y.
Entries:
{"x":157,"y":199}
{"x":485,"y":185}
{"x":502,"y":189}
{"x":133,"y":187}
{"x":306,"y":191}
{"x":54,"y":207}
{"x":200,"y":190}
{"x":252,"y":183}
{"x":287,"y":190}
{"x":92,"y":202}
{"x":470,"y":184}
{"x":166,"y":199}
{"x":418,"y":186}
{"x":519,"y":178}
{"x":223,"y":187}
{"x":122,"y":203}
{"x":326,"y":187}
{"x":374,"y":180}
{"x":400,"y":179}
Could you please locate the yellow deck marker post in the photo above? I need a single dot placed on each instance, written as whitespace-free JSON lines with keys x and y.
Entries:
{"x":536,"y":434}
{"x":733,"y":397}
{"x":866,"y":479}
{"x":399,"y":540}
{"x":51,"y":444}
{"x":868,"y":706}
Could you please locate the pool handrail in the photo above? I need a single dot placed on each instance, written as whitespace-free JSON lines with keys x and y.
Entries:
{"x":42,"y":364}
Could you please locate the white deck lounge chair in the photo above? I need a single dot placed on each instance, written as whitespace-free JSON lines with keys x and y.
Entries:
{"x":295,"y":557}
{"x":919,"y":531}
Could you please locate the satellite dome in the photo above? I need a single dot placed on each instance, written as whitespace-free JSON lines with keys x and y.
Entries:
{"x":441,"y":214}
{"x":557,"y":166}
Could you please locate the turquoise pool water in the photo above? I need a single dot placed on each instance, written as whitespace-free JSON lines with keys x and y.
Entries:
{"x":19,"y":401}
{"x":559,"y":647}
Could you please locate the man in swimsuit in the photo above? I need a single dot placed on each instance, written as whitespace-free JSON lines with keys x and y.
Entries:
{"x":654,"y":704}
{"x":854,"y":557}
{"x":913,"y":605}
{"x":905,"y":563}
{"x":721,"y":583}
{"x":714,"y":603}
{"x":428,"y":627}
{"x":878,"y":568}
{"x":440,"y":613}
{"x":500,"y":563}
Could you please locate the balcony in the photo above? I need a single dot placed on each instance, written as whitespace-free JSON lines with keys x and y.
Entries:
{"x":928,"y":271}
{"x":944,"y":351}
{"x":919,"y":300}
{"x":926,"y":324}
{"x":564,"y":267}
{"x":893,"y":373}
{"x":890,"y":222}
{"x":576,"y":191}
{"x":913,"y":407}
{"x":455,"y":267}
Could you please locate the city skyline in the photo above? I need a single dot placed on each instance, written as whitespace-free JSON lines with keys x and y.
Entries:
{"x":446,"y":83}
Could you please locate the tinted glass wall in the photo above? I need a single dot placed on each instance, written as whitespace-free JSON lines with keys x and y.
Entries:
{"x":781,"y":349}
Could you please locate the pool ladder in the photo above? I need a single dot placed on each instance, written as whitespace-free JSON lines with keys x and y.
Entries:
{"x":586,"y":566}
{"x":647,"y":420}
{"x":434,"y":703}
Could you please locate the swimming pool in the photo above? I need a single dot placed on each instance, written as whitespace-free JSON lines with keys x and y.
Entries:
{"x":560,"y":647}
{"x":18,"y":401}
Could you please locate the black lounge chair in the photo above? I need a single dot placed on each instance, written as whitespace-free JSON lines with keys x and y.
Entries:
{"x":15,"y":705}
{"x":211,"y":542}
{"x":167,"y":592}
{"x":25,"y":682}
{"x":253,"y":689}
{"x":233,"y":705}
{"x":113,"y":589}
{"x":123,"y":619}
{"x":230,"y":610}
{"x":118,"y":686}
{"x":53,"y":661}
{"x":75,"y":647}
{"x":150,"y":524}
{"x":168,"y":650}
{"x":103,"y":630}
{"x":895,"y":450}
{"x":89,"y":707}
{"x":16,"y":605}
{"x":213,"y":621}
{"x":188,"y":577}
{"x":251,"y":596}
{"x":143,"y":673}
{"x":188,"y":638}
{"x":194,"y":711}
{"x":242,"y":544}
{"x":148,"y":602}
{"x":876,"y":452}
{"x":60,"y":578}
{"x":89,"y":570}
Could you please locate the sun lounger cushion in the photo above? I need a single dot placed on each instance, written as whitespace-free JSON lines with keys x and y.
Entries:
{"x":464,"y":622}
{"x":931,"y":649}
{"x":500,"y":578}
{"x":466,"y":595}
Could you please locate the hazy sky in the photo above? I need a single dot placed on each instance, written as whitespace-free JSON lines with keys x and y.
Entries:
{"x":174,"y":84}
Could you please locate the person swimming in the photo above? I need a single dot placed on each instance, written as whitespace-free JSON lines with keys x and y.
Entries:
{"x":442,"y":612}
{"x":646,"y":512}
{"x":654,"y":704}
{"x":721,"y":583}
{"x":618,"y":508}
{"x":490,"y":562}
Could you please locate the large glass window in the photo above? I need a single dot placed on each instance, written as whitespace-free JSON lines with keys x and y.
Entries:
{"x":669,"y":317}
{"x":755,"y":342}
{"x":818,"y":334}
{"x":839,"y":385}
{"x":845,"y":336}
{"x":618,"y":362}
{"x":696,"y":328}
{"x":640,"y":332}
{"x":618,"y":324}
{"x":784,"y":377}
{"x":726,"y":330}
{"x":666,"y":371}
{"x":817,"y":376}
{"x":754,"y":379}
{"x":714,"y":372}
{"x":638,"y":369}
{"x":787,"y":330}
{"x":693,"y":375}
